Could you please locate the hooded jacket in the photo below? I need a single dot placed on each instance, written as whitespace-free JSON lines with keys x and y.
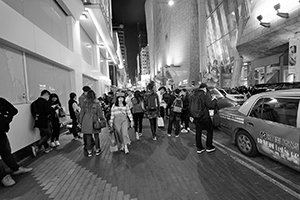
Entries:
{"x":207,"y":101}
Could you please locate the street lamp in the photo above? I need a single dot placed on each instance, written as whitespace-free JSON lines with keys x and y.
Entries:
{"x":171,"y":3}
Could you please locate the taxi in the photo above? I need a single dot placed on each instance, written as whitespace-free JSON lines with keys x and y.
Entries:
{"x":267,"y":123}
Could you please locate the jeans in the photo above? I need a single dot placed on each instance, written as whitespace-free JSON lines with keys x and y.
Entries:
{"x":74,"y":127}
{"x":5,"y":152}
{"x":162,"y":111}
{"x":138,"y":122}
{"x":185,"y":118}
{"x":204,"y":124}
{"x":56,"y":131}
{"x":92,"y":138}
{"x":45,"y":135}
{"x":174,"y":118}
{"x":153,"y":124}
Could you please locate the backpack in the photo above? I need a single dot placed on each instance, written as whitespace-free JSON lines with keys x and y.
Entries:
{"x":177,"y":105}
{"x":152,"y":102}
{"x":196,"y":106}
{"x":137,"y":107}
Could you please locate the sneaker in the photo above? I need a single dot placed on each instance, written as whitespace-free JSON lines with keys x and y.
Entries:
{"x":52,"y":144}
{"x":184,"y":131}
{"x":57,"y":143}
{"x":126,"y":150}
{"x":8,"y":181}
{"x":48,"y":150}
{"x":34,"y":149}
{"x":98,"y":152}
{"x":154,"y":138}
{"x":122,"y":148}
{"x":76,"y":138}
{"x":200,"y":150}
{"x":188,"y":129}
{"x":210,"y":149}
{"x":137,"y":136}
{"x":169,"y":135}
{"x":176,"y":135}
{"x":22,"y":170}
{"x":140,"y":134}
{"x":89,"y":153}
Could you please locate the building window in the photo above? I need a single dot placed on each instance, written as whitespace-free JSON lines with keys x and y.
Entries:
{"x":43,"y":75}
{"x":12,"y":81}
{"x":46,"y":15}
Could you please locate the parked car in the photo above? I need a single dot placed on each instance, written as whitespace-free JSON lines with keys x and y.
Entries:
{"x":233,"y":95}
{"x":223,"y":102}
{"x":267,"y":123}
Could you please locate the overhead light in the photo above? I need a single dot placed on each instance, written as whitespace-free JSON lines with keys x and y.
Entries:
{"x":83,"y":16}
{"x":280,"y":14}
{"x":171,"y":3}
{"x":264,"y":24}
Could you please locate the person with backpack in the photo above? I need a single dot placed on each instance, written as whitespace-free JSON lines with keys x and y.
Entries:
{"x":175,"y":105}
{"x":7,"y":112}
{"x":74,"y":110}
{"x":200,"y":103}
{"x":138,"y":113}
{"x":152,"y":108}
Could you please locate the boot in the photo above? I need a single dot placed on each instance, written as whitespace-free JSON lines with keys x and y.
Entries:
{"x":126,"y":149}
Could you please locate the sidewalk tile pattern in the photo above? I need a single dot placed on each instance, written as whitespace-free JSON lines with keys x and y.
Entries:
{"x":166,"y":169}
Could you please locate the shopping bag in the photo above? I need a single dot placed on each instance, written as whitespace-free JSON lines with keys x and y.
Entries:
{"x":160,"y":122}
{"x":113,"y":139}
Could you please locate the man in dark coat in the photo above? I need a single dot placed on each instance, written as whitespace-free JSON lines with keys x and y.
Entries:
{"x":41,"y":110}
{"x":204,"y":122}
{"x":7,"y":112}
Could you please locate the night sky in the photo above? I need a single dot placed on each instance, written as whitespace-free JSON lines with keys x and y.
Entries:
{"x":129,"y":13}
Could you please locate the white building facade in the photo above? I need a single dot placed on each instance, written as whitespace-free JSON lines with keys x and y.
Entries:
{"x":58,"y":45}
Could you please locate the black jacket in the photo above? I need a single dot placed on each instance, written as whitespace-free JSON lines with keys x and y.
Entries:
{"x":41,"y":111}
{"x":7,"y":112}
{"x":207,"y":101}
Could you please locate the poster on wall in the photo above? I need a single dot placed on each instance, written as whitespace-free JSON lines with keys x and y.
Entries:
{"x":293,"y":60}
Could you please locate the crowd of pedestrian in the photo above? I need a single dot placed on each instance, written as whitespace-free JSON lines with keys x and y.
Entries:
{"x":120,"y":111}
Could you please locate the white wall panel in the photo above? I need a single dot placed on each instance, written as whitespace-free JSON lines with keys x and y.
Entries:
{"x":21,"y":132}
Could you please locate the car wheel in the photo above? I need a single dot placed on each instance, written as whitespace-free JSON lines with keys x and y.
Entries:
{"x":245,"y":143}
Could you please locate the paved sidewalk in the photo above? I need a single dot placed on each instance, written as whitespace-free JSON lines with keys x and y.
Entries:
{"x":168,"y":168}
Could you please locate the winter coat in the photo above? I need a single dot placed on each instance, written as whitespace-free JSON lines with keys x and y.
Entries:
{"x":89,"y":113}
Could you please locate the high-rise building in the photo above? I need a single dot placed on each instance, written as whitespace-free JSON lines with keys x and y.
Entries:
{"x":145,"y":62}
{"x":121,"y":34}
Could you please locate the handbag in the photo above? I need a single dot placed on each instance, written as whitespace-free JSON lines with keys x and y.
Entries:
{"x":99,"y":124}
{"x":160,"y":122}
{"x":216,"y":117}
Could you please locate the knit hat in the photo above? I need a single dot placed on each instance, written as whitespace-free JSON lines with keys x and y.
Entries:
{"x":120,"y":94}
{"x":203,"y":85}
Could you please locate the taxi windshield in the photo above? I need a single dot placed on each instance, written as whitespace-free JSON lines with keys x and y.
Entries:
{"x":216,"y":93}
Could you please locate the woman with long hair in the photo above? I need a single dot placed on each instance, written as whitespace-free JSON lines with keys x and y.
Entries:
{"x":138,"y":113}
{"x":120,"y":112}
{"x":91,"y":111}
{"x":55,"y":115}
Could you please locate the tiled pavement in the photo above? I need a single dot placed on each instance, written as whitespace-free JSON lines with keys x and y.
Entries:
{"x":168,"y":168}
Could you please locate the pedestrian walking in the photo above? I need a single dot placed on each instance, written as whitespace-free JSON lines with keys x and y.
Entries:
{"x":74,"y":110}
{"x":41,"y":111}
{"x":185,"y":111}
{"x":138,"y":113}
{"x":152,"y":108}
{"x":120,"y":113}
{"x":200,"y":103}
{"x":175,"y":105}
{"x":54,"y":117}
{"x":7,"y":112}
{"x":90,"y":113}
